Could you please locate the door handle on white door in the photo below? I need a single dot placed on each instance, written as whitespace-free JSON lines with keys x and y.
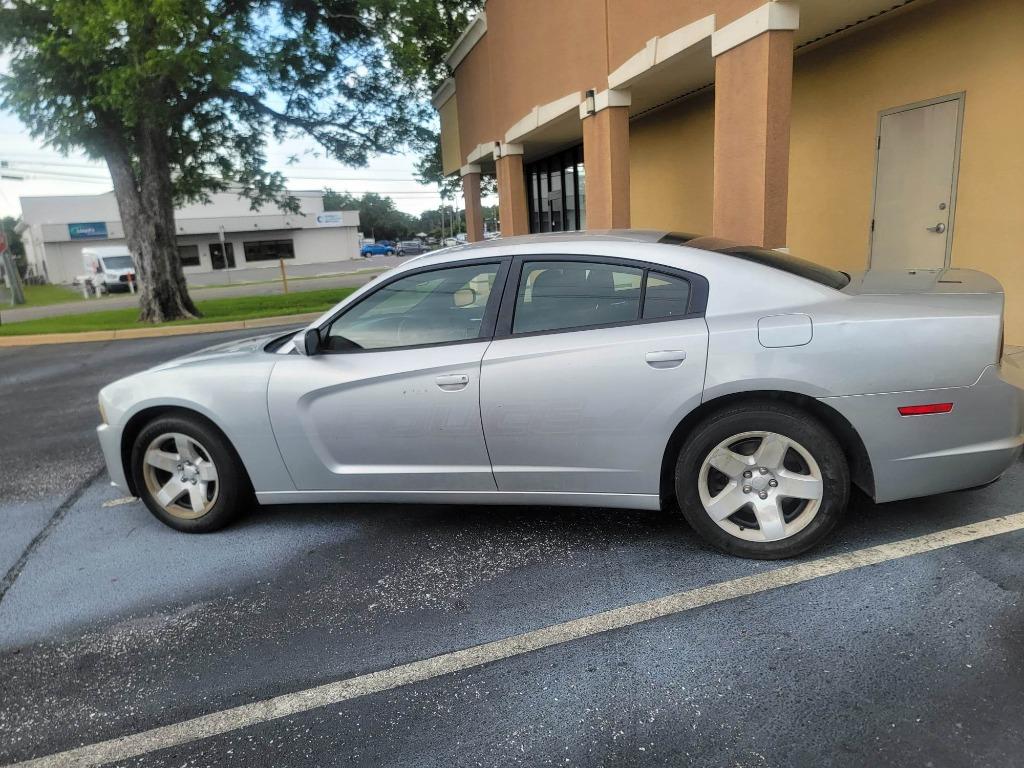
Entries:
{"x":940,"y":228}
{"x":452,"y":382}
{"x":666,"y":358}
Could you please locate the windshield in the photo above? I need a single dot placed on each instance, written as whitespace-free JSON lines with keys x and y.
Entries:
{"x":118,"y":262}
{"x":769,"y":258}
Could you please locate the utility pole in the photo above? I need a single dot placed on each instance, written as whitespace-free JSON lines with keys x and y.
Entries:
{"x":224,"y":253}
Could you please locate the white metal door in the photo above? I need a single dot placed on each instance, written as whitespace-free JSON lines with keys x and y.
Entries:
{"x":915,"y":185}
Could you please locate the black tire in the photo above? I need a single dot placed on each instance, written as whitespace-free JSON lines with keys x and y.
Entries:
{"x":233,"y":490}
{"x":766,"y":416}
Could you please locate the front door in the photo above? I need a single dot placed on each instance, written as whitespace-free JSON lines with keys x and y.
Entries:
{"x":393,"y":401}
{"x":915,"y":186}
{"x":217,"y":255}
{"x":583,"y":390}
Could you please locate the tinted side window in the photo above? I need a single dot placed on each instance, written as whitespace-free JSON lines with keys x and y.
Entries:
{"x":433,"y":307}
{"x":665,"y":296}
{"x":555,"y":295}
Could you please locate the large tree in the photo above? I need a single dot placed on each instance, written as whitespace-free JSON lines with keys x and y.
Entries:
{"x":179,"y":97}
{"x":418,"y":35}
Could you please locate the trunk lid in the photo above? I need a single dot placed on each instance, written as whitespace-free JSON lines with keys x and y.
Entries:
{"x":960,"y":311}
{"x":876,"y":282}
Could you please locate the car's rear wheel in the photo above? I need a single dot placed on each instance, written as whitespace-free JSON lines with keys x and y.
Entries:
{"x":762,"y":480}
{"x":188,"y":475}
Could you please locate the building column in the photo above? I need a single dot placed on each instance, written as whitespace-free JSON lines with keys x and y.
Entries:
{"x":753,"y":96}
{"x":474,"y":211}
{"x":512,"y":207}
{"x":605,"y":119}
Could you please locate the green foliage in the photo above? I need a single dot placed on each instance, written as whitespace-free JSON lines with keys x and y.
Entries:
{"x":378,"y":217}
{"x":214,"y":311}
{"x":429,"y":170}
{"x":14,"y":241}
{"x":217,"y":76}
{"x":418,"y":34}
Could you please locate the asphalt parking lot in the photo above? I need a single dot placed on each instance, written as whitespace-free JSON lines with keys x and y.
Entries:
{"x":112,"y":625}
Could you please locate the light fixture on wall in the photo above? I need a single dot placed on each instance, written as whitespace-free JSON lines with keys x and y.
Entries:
{"x":591,"y":101}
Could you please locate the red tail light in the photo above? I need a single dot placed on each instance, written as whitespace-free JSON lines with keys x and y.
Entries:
{"x":923,"y":410}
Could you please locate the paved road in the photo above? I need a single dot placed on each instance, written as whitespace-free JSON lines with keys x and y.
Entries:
{"x":116,"y":624}
{"x":315,"y":277}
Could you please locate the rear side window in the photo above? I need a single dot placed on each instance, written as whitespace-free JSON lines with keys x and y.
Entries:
{"x":555,"y":295}
{"x":665,"y":296}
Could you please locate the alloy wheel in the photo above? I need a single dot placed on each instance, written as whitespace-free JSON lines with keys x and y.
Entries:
{"x":760,"y":486}
{"x":180,"y":475}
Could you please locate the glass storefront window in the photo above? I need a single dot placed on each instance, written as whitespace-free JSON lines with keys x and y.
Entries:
{"x":554,"y":186}
{"x":581,"y":195}
{"x":570,"y":197}
{"x":555,"y":199}
{"x":533,"y":192}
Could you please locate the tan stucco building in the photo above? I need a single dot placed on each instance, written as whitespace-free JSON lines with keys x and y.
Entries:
{"x":855,"y":133}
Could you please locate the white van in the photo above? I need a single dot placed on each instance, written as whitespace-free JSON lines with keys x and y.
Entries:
{"x":109,"y":268}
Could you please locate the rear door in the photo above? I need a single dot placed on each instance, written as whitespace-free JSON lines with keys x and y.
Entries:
{"x":594,"y":363}
{"x":392,"y":403}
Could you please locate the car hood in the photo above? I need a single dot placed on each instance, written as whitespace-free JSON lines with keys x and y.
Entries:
{"x":237,"y":348}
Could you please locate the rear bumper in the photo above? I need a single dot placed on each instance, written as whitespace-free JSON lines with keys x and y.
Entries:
{"x":922,"y":455}
{"x":110,"y":444}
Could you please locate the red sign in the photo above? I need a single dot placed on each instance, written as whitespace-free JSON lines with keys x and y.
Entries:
{"x":3,"y":241}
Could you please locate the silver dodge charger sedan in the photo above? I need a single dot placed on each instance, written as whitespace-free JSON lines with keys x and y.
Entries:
{"x":743,"y":387}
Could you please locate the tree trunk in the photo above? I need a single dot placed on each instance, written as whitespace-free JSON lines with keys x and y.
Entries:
{"x":146,"y":201}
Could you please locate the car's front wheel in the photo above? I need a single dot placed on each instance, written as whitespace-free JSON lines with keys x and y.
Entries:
{"x":188,"y":475}
{"x":762,"y":480}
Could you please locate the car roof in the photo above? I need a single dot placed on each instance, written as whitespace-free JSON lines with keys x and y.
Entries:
{"x":589,"y":235}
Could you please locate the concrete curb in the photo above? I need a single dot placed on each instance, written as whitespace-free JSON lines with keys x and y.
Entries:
{"x":148,"y":333}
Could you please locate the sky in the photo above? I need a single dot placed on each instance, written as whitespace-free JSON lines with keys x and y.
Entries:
{"x":387,"y":175}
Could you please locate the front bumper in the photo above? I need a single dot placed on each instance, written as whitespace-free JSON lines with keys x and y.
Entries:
{"x":110,"y":443}
{"x":974,"y":444}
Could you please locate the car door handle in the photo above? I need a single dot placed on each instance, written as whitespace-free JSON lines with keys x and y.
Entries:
{"x":666,"y":358}
{"x":452,"y":382}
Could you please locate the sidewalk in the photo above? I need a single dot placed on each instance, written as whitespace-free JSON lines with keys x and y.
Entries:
{"x":257,"y":282}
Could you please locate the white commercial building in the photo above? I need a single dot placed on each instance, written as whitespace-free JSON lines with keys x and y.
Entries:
{"x":57,"y":228}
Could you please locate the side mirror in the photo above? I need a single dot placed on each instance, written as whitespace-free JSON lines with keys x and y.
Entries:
{"x":311,"y":342}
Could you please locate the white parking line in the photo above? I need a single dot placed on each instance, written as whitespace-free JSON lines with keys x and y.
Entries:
{"x":289,"y":704}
